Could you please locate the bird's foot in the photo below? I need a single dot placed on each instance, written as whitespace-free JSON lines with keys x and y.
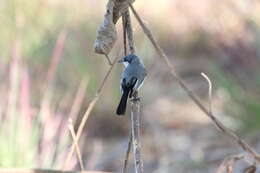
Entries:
{"x":136,"y":99}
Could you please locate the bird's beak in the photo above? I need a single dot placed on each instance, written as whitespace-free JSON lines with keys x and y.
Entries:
{"x":121,"y":60}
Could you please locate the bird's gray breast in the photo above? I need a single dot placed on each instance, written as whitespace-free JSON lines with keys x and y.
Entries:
{"x":135,"y":70}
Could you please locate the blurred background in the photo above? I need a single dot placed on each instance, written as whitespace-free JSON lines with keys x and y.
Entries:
{"x":49,"y":72}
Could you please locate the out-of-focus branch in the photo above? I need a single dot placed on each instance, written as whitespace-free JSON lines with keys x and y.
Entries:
{"x":88,"y":111}
{"x":229,"y":163}
{"x":77,"y":103}
{"x":135,"y":116}
{"x":56,"y":56}
{"x":73,"y":135}
{"x":193,"y":97}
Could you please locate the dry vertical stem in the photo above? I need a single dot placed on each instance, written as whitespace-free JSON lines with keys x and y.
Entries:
{"x":120,"y":7}
{"x":124,"y":33}
{"x":127,"y":152}
{"x":88,"y":111}
{"x":124,"y":20}
{"x":73,"y":135}
{"x":135,"y":116}
{"x":193,"y":97}
{"x":129,"y":31}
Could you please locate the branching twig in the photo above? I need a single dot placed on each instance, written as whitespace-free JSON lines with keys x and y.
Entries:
{"x":225,"y":130}
{"x":135,"y":116}
{"x":89,"y":109}
{"x":229,"y":163}
{"x":73,"y":135}
{"x":108,"y":60}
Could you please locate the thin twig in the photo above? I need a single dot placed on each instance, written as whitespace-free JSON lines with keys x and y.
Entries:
{"x":210,"y":90}
{"x":88,"y":111}
{"x":135,"y":116}
{"x":193,"y":97}
{"x":108,"y":60}
{"x":73,"y":135}
{"x":127,"y":152}
{"x":79,"y":98}
{"x":229,"y":163}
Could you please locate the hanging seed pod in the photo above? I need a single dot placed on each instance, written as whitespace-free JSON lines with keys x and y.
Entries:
{"x":106,"y":34}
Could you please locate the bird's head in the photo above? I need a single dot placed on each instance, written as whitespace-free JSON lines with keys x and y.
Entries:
{"x":129,"y":59}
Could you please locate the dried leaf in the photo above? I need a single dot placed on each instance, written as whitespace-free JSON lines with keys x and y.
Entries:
{"x":106,"y":34}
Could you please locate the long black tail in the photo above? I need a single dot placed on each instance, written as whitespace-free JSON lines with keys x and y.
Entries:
{"x":123,"y":102}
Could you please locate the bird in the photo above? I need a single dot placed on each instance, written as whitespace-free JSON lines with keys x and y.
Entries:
{"x":131,"y":80}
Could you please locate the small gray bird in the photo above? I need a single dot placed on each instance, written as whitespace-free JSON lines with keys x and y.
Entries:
{"x":132,"y":79}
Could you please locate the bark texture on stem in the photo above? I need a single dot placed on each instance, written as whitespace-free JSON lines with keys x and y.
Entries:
{"x":135,"y":116}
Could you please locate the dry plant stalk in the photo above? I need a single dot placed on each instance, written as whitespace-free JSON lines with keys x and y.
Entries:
{"x":135,"y":117}
{"x":121,"y":6}
{"x":124,"y":33}
{"x":124,"y":20}
{"x":88,"y":111}
{"x":73,"y":135}
{"x":77,"y":103}
{"x":135,"y":106}
{"x":129,"y":31}
{"x":229,"y":163}
{"x":193,"y":97}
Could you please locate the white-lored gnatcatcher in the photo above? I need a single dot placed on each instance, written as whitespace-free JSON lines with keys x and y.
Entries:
{"x":132,"y":79}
